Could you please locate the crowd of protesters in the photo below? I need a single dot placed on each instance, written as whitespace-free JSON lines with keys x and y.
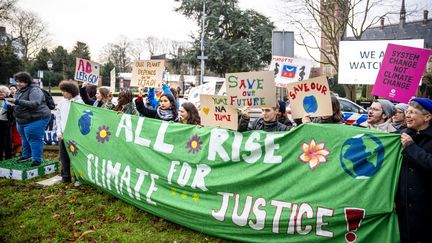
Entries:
{"x":23,"y":108}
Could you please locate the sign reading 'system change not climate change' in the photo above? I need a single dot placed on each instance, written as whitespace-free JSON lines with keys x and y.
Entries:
{"x":251,"y":89}
{"x":401,"y":71}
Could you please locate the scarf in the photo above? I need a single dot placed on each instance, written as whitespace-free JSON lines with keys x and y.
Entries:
{"x":385,"y":127}
{"x":165,"y":115}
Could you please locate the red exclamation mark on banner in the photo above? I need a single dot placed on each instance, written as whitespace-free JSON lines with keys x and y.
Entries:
{"x":353,"y":217}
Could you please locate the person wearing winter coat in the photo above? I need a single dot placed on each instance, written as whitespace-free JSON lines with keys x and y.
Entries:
{"x":125,"y":103}
{"x":414,"y":194}
{"x":269,"y":121}
{"x":6,"y":120}
{"x":167,"y":109}
{"x":32,"y":116}
{"x":379,"y":116}
{"x":70,"y":92}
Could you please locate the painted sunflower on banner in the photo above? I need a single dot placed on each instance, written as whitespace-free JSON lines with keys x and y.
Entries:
{"x":72,"y":147}
{"x":313,"y":154}
{"x":194,"y":144}
{"x":103,"y":134}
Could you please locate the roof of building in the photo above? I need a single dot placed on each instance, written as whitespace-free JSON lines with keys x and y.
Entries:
{"x":410,"y":30}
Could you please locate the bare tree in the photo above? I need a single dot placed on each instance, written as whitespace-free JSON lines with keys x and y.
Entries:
{"x":138,"y":49}
{"x":118,"y":53}
{"x":321,"y":24}
{"x":6,"y":8}
{"x":30,"y":31}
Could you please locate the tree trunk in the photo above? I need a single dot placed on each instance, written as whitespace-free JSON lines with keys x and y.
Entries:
{"x":350,"y":91}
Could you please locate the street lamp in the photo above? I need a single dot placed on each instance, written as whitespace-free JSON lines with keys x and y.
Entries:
{"x":49,"y":64}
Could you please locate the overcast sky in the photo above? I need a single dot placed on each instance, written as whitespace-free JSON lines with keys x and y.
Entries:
{"x":99,"y":22}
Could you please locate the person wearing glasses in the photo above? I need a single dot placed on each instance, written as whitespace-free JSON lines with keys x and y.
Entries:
{"x":414,"y":194}
{"x":379,"y":114}
{"x":398,"y":119}
{"x":269,"y":121}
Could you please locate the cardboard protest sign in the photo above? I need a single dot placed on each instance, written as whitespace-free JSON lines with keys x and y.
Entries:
{"x":255,"y":89}
{"x":86,"y":70}
{"x":215,"y":111}
{"x":113,"y":80}
{"x":359,"y":61}
{"x":288,"y":69}
{"x":400,"y":72}
{"x":310,"y":97}
{"x":148,"y":73}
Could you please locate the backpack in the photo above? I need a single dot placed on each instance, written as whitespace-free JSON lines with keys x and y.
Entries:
{"x":49,"y":100}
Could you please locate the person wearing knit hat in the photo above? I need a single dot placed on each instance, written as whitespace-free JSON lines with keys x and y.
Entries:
{"x":282,"y":116}
{"x":398,"y":119}
{"x":414,"y":194}
{"x":379,"y":114}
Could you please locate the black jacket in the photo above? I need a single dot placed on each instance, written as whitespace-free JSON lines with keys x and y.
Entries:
{"x":414,"y":196}
{"x":260,"y":124}
{"x":30,"y":105}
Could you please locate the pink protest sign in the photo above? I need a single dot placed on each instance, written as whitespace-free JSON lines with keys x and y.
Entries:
{"x":400,"y":72}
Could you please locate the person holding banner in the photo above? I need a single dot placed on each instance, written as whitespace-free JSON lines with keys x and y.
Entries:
{"x":125,"y":103}
{"x":379,"y":116}
{"x":268,"y":122}
{"x":32,"y":116}
{"x":103,"y":97}
{"x":398,"y":119}
{"x":70,"y":92}
{"x":167,"y":109}
{"x":414,"y":194}
{"x":189,"y":114}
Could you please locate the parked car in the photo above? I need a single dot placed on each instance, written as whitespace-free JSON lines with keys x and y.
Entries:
{"x":352,"y":113}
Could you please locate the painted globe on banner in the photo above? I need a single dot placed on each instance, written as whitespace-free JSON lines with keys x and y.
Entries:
{"x":362,"y":156}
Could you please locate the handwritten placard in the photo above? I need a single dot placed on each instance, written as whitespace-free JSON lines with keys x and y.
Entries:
{"x":288,"y":69}
{"x":87,"y":71}
{"x":311,"y":96}
{"x":215,"y":111}
{"x":148,"y":73}
{"x":255,"y":89}
{"x":400,"y":72}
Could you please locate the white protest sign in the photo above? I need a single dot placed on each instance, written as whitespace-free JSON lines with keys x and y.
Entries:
{"x":288,"y":69}
{"x":360,"y":61}
{"x":86,"y":70}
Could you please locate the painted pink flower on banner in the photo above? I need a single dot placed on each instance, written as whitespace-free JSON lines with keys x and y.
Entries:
{"x":314,"y":154}
{"x":71,"y":144}
{"x":194,"y":144}
{"x":103,"y":134}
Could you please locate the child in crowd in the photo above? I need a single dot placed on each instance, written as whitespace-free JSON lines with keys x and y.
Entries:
{"x":103,"y":97}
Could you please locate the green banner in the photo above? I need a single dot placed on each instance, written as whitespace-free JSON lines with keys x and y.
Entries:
{"x":317,"y":182}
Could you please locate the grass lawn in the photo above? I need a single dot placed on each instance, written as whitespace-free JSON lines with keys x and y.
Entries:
{"x":30,"y":212}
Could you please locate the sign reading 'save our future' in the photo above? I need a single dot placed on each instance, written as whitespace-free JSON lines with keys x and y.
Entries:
{"x":86,"y":71}
{"x":400,"y":73}
{"x":255,"y":89}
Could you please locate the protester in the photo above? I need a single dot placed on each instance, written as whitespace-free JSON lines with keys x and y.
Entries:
{"x":5,"y":125}
{"x":335,"y":118}
{"x":167,"y":109}
{"x":267,"y":123}
{"x":103,"y":97}
{"x":189,"y":114}
{"x":125,"y":103}
{"x":414,"y":195}
{"x":70,"y":92}
{"x":153,"y":101}
{"x":16,"y":138}
{"x":32,"y":115}
{"x":379,"y":116}
{"x":398,"y":119}
{"x":282,"y":115}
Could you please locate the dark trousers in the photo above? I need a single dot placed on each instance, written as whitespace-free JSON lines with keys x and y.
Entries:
{"x":65,"y":162}
{"x":5,"y":140}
